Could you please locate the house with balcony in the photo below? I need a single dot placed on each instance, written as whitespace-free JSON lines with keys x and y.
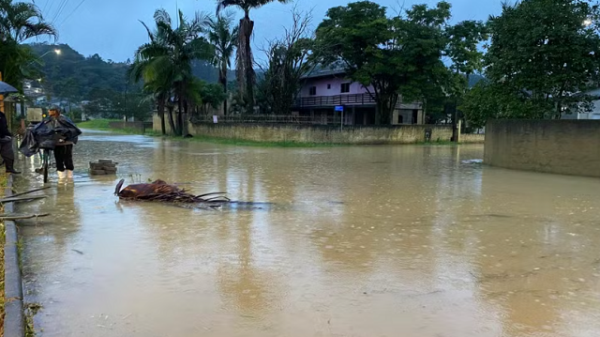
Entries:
{"x":325,"y":91}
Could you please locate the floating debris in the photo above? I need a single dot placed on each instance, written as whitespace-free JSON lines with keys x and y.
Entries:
{"x":161,"y":191}
{"x":103,"y":167}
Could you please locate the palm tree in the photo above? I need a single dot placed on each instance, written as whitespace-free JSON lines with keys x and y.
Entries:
{"x":244,"y":60}
{"x":159,"y":88}
{"x":224,"y":39}
{"x":19,"y":22}
{"x":166,"y":61}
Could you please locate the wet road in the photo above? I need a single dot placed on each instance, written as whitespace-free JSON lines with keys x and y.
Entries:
{"x":411,"y":241}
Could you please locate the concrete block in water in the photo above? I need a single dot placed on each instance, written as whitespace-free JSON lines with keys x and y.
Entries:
{"x":103,"y":167}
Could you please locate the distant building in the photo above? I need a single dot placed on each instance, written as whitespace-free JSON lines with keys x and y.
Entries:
{"x":594,"y":114}
{"x":325,"y":89}
{"x":32,"y":89}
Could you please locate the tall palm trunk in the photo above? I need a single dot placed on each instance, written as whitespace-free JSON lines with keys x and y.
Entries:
{"x":161,"y":114}
{"x":160,"y":109}
{"x":245,"y":63}
{"x":171,"y":119}
{"x":184,"y":126}
{"x":223,"y":80}
{"x":179,"y":116}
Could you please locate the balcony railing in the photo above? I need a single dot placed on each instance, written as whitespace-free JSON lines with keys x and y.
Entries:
{"x":352,"y":99}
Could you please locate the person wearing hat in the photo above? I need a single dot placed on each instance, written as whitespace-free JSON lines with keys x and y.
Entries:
{"x":63,"y":151}
{"x":6,"y":145}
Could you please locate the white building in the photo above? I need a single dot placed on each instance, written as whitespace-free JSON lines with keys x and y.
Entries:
{"x":594,"y":114}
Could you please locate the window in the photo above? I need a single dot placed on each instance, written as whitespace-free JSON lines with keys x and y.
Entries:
{"x":400,"y":118}
{"x":345,"y":87}
{"x":329,"y":86}
{"x":312,"y":91}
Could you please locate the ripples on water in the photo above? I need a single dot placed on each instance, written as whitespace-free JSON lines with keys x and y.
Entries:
{"x":410,"y":241}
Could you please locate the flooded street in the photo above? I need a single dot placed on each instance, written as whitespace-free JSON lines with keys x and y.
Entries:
{"x":411,"y":241}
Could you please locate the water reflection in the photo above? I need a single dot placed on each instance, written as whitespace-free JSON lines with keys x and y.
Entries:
{"x":360,"y":241}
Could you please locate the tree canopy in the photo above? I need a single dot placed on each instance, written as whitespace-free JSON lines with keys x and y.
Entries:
{"x":389,"y":56}
{"x":544,"y":55}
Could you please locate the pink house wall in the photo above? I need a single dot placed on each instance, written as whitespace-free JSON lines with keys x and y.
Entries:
{"x":336,"y":87}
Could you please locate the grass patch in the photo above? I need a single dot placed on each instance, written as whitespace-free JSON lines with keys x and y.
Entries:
{"x":3,"y":181}
{"x":97,"y":124}
{"x":31,"y":309}
{"x":103,"y":125}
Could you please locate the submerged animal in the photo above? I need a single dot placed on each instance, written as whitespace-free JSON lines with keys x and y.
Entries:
{"x":160,"y":190}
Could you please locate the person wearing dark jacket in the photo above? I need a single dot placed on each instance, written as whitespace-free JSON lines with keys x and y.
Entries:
{"x":63,"y":152}
{"x":6,"y":145}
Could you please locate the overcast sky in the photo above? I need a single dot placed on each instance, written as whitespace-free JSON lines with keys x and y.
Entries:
{"x":111,"y":28}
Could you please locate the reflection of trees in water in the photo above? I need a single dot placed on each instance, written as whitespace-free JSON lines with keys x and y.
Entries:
{"x":183,"y":238}
{"x":241,"y":281}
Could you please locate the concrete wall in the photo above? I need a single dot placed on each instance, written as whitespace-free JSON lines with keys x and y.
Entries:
{"x":321,"y":134}
{"x":559,"y":146}
{"x":472,"y":138}
{"x":156,"y":123}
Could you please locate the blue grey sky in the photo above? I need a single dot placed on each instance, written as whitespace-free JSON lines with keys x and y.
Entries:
{"x":111,"y":28}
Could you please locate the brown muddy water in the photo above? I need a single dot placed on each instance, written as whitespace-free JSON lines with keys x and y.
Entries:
{"x":412,"y":241}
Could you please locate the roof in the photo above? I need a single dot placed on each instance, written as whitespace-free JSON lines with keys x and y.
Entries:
{"x":335,"y":69}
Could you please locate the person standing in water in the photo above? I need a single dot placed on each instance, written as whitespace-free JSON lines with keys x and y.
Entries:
{"x":6,"y":145}
{"x":63,"y":151}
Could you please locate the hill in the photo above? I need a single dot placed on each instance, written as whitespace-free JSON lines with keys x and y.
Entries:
{"x":73,"y":76}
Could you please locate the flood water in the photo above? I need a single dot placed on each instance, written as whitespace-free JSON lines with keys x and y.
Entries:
{"x":411,"y":241}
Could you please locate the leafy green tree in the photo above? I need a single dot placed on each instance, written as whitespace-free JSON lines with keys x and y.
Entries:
{"x":546,"y":54}
{"x":289,"y":58}
{"x":212,"y":96}
{"x":388,"y":56}
{"x":464,"y":40}
{"x":488,"y":101}
{"x":224,"y":38}
{"x":244,"y":60}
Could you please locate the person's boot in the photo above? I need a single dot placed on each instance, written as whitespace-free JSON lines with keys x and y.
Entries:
{"x":10,"y":168}
{"x":69,"y":174}
{"x":61,"y":175}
